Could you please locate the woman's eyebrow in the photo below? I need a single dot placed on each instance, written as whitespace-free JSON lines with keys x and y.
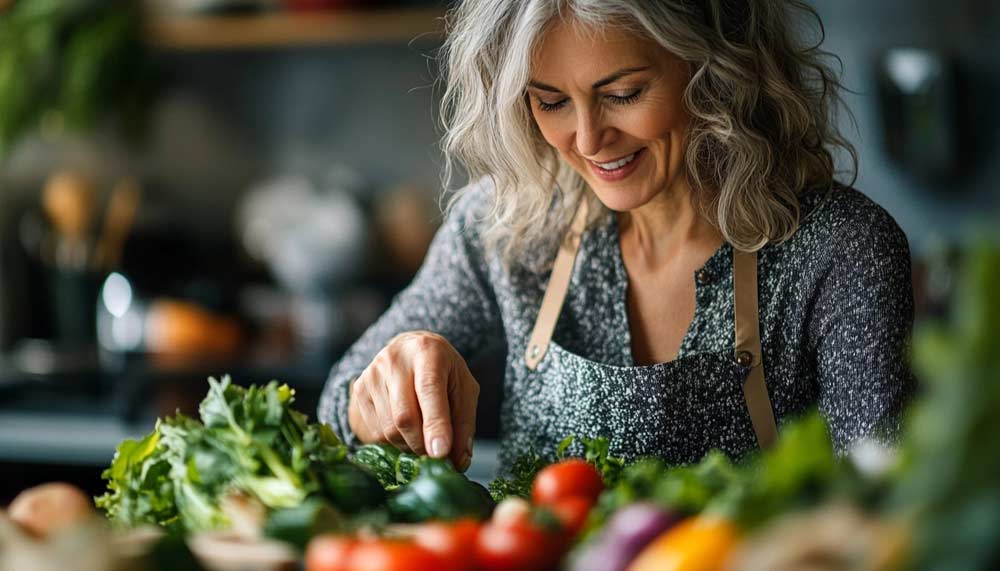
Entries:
{"x":618,"y":75}
{"x":597,"y":84}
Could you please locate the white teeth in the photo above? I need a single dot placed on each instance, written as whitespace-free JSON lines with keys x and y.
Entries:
{"x":617,"y":164}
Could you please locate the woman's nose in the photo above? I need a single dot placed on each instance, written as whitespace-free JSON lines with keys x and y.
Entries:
{"x":591,"y":133}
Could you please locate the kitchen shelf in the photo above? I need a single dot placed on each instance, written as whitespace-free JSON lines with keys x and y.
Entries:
{"x":294,"y":29}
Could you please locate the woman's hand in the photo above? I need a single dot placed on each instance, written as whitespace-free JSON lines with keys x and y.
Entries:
{"x":417,"y":394}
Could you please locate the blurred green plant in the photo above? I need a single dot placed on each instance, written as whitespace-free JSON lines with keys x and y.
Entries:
{"x":74,"y":63}
{"x":949,"y":481}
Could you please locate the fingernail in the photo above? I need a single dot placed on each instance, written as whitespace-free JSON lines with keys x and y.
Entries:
{"x":438,"y":447}
{"x":466,"y":462}
{"x":471,"y":441}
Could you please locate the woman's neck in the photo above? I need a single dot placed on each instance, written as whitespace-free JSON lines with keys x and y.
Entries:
{"x":664,"y":227}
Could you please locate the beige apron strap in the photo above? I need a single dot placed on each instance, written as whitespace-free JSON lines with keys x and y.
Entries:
{"x":748,"y":349}
{"x":555,"y":293}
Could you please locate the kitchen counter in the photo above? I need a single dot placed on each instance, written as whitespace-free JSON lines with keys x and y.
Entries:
{"x":63,"y":438}
{"x":81,"y":439}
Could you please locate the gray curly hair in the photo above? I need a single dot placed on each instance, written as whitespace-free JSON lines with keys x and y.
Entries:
{"x":763,"y":104}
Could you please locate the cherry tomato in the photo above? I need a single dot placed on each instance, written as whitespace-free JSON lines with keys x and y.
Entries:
{"x":453,"y":542}
{"x":329,"y":552}
{"x":572,"y":513}
{"x":523,"y":546}
{"x":393,"y":555}
{"x":342,"y":553}
{"x":566,"y":479}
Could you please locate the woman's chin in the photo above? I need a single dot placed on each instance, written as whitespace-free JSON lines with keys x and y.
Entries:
{"x":621,"y":199}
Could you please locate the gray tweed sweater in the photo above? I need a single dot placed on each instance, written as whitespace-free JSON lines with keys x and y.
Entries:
{"x":836,"y":311}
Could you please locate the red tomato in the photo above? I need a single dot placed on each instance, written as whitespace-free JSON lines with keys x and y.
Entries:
{"x":572,"y":513}
{"x":392,"y":555}
{"x":329,"y":552}
{"x":453,"y":542}
{"x":567,"y":479}
{"x":520,"y":546}
{"x":343,"y":553}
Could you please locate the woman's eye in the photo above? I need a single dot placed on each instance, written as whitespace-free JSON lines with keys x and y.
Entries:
{"x":625,"y":99}
{"x":546,"y":106}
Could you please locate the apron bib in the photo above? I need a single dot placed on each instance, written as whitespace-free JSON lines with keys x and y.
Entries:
{"x":677,"y":410}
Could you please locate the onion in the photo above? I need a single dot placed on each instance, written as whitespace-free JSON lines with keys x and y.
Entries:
{"x":627,"y":533}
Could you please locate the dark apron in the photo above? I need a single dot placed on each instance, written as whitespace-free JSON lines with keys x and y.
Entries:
{"x":677,"y":410}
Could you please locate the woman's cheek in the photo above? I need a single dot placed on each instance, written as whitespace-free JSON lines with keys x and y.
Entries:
{"x":655,"y":119}
{"x":557,"y":135}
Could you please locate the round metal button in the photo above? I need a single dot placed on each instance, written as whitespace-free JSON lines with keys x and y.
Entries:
{"x":704,"y":277}
{"x":744,"y":358}
{"x":535,"y":350}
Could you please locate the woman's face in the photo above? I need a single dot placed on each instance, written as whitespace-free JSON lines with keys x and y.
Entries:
{"x":610,"y":103}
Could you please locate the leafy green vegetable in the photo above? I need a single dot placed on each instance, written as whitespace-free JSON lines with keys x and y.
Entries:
{"x":801,"y":470}
{"x":251,"y":444}
{"x":692,"y":489}
{"x":521,"y":474}
{"x":139,"y":487}
{"x":684,"y":490}
{"x":249,"y":440}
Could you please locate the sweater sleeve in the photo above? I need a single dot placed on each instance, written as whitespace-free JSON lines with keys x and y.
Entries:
{"x":860,"y":330}
{"x":450,"y":295}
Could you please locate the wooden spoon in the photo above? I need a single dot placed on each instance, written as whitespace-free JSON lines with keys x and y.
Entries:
{"x":68,"y":200}
{"x":118,"y":219}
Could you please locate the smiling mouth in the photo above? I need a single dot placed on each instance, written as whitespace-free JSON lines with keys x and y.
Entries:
{"x":617,"y":163}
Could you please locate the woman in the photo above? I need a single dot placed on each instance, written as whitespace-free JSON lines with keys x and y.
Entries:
{"x":656,"y":234}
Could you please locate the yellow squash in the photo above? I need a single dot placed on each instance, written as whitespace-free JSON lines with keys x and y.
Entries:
{"x":701,"y":543}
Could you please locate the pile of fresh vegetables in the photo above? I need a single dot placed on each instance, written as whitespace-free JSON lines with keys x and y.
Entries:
{"x":930,"y":504}
{"x":595,"y":513}
{"x":253,"y":463}
{"x":523,"y":534}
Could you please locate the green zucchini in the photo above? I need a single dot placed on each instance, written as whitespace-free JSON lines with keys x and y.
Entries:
{"x":439,"y":492}
{"x":352,"y":488}
{"x":381,"y":460}
{"x":407,"y":468}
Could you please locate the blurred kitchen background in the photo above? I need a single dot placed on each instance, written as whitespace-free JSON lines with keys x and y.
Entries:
{"x":200,"y":187}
